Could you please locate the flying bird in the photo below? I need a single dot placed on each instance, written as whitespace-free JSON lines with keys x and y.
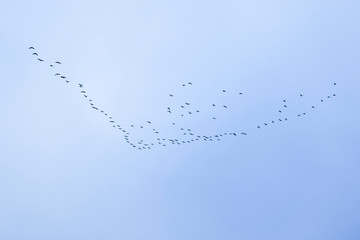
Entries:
{"x":40,"y":60}
{"x":31,"y":48}
{"x":35,"y":54}
{"x":80,"y":85}
{"x":58,"y":62}
{"x":57,"y":74}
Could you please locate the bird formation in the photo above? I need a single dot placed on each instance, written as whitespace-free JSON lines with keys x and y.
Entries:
{"x":188,"y":135}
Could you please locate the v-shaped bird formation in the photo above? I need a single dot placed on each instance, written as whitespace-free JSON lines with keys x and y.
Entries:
{"x":177,"y":111}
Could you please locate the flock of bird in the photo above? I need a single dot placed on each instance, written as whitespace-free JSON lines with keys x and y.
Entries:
{"x":182,"y":110}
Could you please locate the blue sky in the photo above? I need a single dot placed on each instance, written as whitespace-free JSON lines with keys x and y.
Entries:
{"x":65,"y":173}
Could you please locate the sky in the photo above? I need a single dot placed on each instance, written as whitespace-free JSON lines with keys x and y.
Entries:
{"x":66,"y":173}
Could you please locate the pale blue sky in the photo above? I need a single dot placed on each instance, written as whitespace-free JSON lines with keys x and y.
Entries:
{"x":65,"y":173}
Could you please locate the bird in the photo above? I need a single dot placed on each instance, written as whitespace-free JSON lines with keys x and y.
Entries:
{"x":40,"y":60}
{"x":312,"y":106}
{"x":80,"y":85}
{"x":190,"y":83}
{"x":240,"y":93}
{"x":31,"y":48}
{"x":322,"y":100}
{"x":67,"y":81}
{"x":279,"y":111}
{"x":182,"y":106}
{"x":183,"y":85}
{"x":190,"y":112}
{"x":58,"y":62}
{"x":258,"y":126}
{"x":301,"y":95}
{"x":334,"y":83}
{"x":284,"y":100}
{"x":334,"y":95}
{"x":285,"y":106}
{"x":63,"y":77}
{"x":213,"y":118}
{"x":83,"y":92}
{"x":85,"y":96}
{"x":224,"y":106}
{"x":57,"y":74}
{"x":224,"y":90}
{"x":149,"y":122}
{"x":51,"y":65}
{"x":213,"y":105}
{"x":171,"y":95}
{"x":35,"y":54}
{"x":187,"y":103}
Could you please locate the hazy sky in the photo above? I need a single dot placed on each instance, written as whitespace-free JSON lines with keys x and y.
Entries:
{"x":65,"y":173}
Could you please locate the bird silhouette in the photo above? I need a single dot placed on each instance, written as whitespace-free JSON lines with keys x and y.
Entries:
{"x":57,"y":74}
{"x":58,"y":62}
{"x":80,"y":85}
{"x":31,"y":48}
{"x":35,"y":54}
{"x":41,"y":60}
